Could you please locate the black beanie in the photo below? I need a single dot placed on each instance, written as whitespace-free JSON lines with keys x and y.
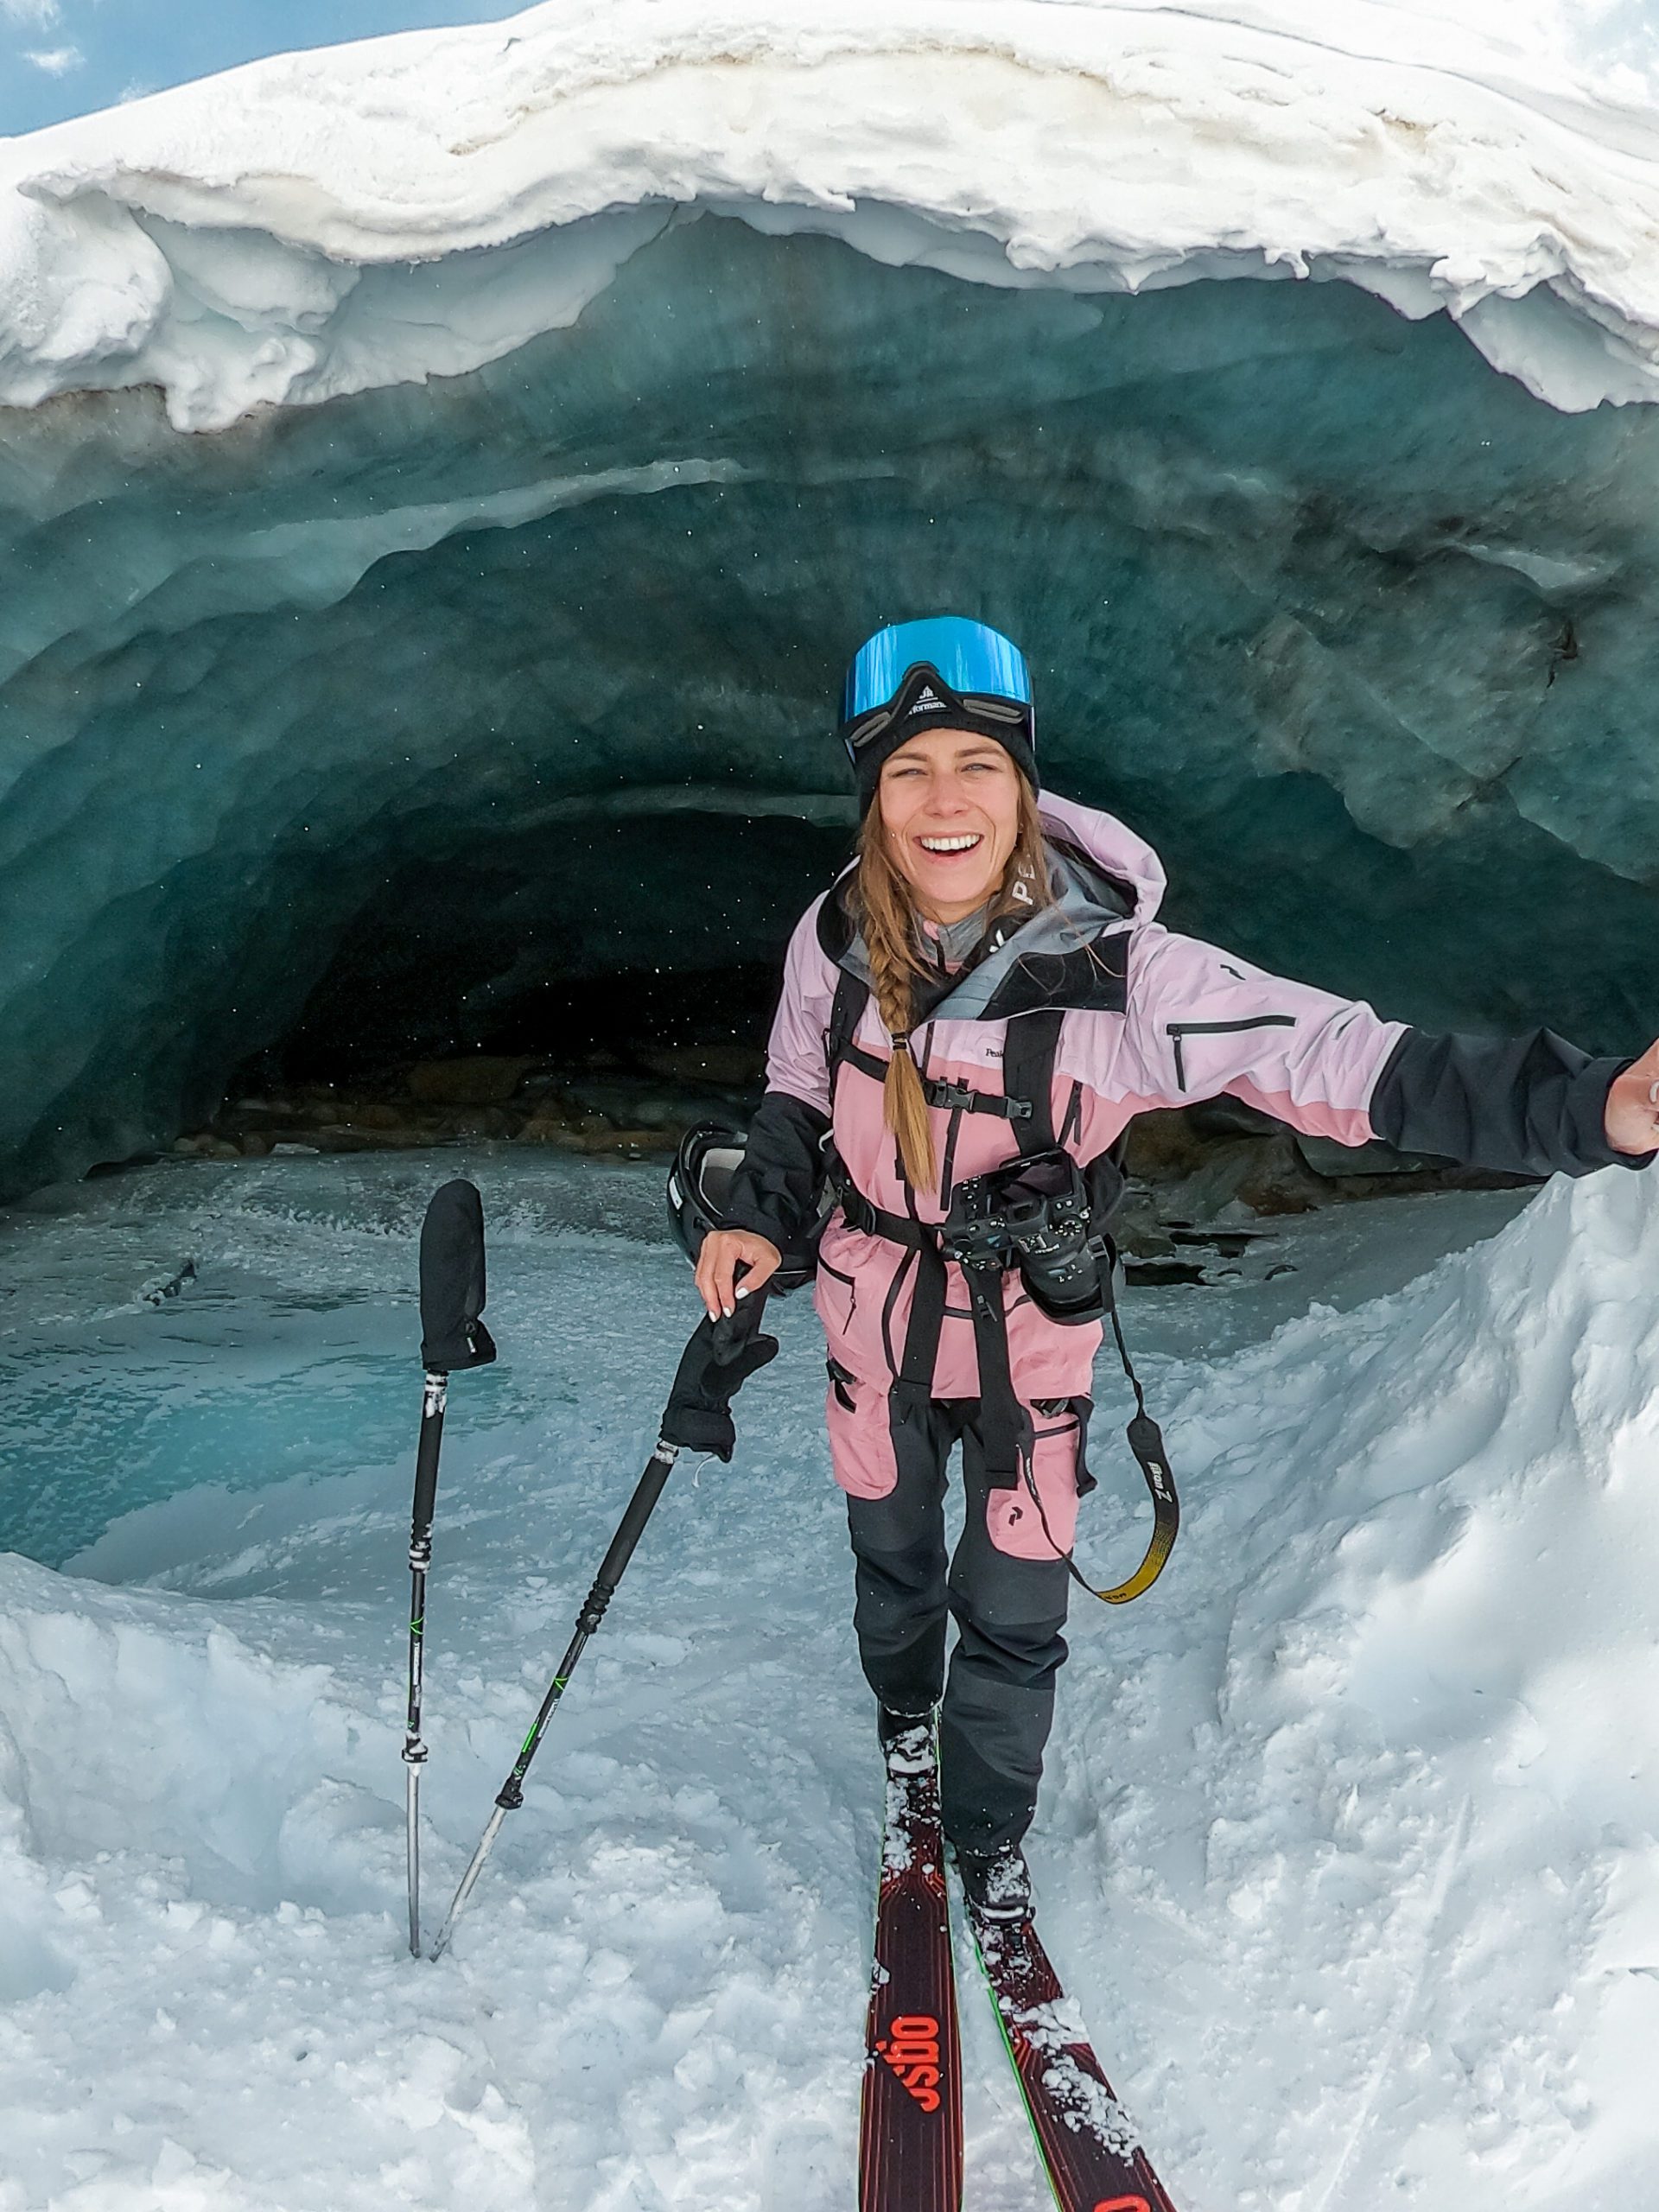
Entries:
{"x":927,"y":702}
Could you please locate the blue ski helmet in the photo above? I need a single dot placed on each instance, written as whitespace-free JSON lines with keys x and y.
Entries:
{"x":945,"y":672}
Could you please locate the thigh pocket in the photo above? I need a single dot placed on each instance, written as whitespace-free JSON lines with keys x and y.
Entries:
{"x":861,"y":1434}
{"x":835,"y":1295}
{"x":1047,"y":1413}
{"x":1017,"y":1528}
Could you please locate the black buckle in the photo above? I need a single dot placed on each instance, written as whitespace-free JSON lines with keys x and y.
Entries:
{"x":856,"y":1209}
{"x":952,"y":1096}
{"x":910,"y":1397}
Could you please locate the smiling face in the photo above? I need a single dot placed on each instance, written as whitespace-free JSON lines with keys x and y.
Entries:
{"x":950,"y":807}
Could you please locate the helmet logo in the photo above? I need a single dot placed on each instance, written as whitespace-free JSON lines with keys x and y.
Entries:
{"x":927,"y":698}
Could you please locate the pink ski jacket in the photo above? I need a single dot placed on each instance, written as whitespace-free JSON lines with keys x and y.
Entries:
{"x":1178,"y":1020}
{"x":1195,"y":1021}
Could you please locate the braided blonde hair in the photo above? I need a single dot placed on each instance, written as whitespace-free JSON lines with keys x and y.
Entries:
{"x":883,"y":907}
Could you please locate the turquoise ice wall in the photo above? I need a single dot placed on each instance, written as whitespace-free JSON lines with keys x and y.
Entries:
{"x":1359,"y":632}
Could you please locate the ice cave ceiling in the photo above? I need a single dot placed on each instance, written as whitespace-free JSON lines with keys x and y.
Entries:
{"x":394,"y":718}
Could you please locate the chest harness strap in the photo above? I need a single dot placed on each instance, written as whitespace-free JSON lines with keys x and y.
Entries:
{"x":1005,"y":1424}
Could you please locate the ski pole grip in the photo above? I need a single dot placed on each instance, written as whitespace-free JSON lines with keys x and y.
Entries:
{"x":641,"y":1506}
{"x":426,"y":1457}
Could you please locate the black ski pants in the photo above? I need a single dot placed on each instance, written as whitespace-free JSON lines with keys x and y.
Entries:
{"x":999,"y":1696}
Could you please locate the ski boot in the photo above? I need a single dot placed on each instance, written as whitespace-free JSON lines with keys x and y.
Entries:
{"x":996,"y":1884}
{"x":906,"y":1740}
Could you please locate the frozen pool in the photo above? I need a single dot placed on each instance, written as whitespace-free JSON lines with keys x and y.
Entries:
{"x":243,"y":1325}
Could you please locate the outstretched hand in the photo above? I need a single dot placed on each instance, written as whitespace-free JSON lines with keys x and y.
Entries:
{"x":1631,"y":1118}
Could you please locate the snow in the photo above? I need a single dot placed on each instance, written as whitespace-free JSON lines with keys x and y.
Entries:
{"x":1346,"y":1848}
{"x":418,"y":204}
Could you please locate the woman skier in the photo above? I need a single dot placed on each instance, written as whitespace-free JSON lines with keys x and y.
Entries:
{"x":972,"y":1016}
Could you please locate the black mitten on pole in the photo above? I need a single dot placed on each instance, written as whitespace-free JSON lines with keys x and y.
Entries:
{"x":452,"y":1281}
{"x":713,"y":1367}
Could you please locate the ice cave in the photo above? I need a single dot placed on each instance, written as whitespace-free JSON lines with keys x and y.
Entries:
{"x":441,"y":482}
{"x":496,"y":663}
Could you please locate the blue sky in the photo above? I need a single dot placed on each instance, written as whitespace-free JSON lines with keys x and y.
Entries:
{"x":66,"y":57}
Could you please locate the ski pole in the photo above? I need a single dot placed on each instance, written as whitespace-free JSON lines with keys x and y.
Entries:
{"x":719,"y":1358}
{"x":511,"y":1795}
{"x":452,"y":1297}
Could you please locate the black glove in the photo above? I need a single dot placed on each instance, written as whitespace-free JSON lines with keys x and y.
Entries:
{"x":713,"y":1367}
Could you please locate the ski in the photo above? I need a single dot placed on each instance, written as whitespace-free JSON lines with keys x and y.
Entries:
{"x":1089,"y":2149}
{"x":910,"y":2130}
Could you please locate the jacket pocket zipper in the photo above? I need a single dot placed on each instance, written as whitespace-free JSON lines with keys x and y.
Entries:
{"x":852,"y":1288}
{"x":1177,"y":1030}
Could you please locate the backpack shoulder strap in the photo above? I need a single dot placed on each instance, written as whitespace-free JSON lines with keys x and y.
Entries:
{"x":846,"y":1012}
{"x":1028,"y":1073}
{"x":1027,"y":1066}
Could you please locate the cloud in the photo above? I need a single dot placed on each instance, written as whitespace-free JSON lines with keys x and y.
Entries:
{"x":57,"y":60}
{"x":41,"y":14}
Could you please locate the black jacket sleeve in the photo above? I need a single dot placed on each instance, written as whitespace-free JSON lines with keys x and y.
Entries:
{"x":774,"y":1192}
{"x":1527,"y":1105}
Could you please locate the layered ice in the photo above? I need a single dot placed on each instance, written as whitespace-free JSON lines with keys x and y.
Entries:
{"x":442,"y":479}
{"x":1346,"y":1849}
{"x":434,"y":698}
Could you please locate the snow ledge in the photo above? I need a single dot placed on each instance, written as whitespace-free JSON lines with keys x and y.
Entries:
{"x":328,"y":222}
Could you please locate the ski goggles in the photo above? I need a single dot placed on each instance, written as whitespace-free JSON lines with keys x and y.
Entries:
{"x":946,"y":662}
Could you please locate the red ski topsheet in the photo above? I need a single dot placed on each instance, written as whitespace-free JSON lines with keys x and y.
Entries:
{"x":1094,"y":2157}
{"x":910,"y":2138}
